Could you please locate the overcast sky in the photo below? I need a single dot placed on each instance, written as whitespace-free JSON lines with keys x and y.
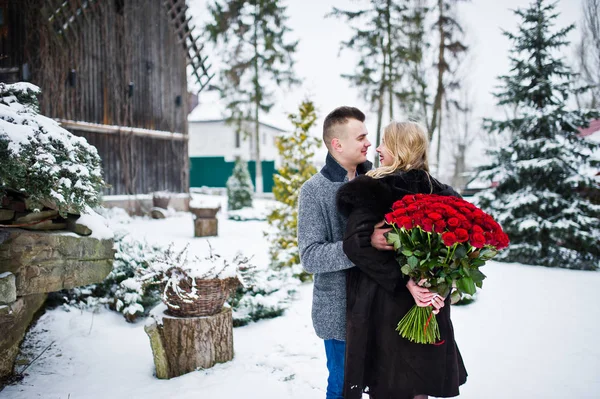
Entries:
{"x":318,"y":63}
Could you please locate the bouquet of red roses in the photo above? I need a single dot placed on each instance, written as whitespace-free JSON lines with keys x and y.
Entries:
{"x":443,"y":241}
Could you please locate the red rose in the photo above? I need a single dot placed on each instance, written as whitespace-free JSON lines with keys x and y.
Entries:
{"x":461,"y":235}
{"x":489,"y":238}
{"x":453,"y":222}
{"x":389,"y":218}
{"x":439,"y":225}
{"x":399,"y":212}
{"x":466,"y":225}
{"x":501,"y":240}
{"x":476,"y":229}
{"x":464,"y":210}
{"x":398,"y":205}
{"x":451,"y":211}
{"x":449,"y":239}
{"x":412,"y":207}
{"x":435,"y":216}
{"x":477,"y":240}
{"x":408,"y":199}
{"x":427,"y":225}
{"x":405,"y":222}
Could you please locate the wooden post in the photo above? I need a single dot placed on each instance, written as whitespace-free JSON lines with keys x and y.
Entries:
{"x":183,"y":344}
{"x":205,"y":227}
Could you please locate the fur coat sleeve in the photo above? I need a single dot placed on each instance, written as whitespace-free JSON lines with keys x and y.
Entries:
{"x":365,"y":201}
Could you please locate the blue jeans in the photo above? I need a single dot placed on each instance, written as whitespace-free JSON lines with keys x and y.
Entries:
{"x":335,"y":351}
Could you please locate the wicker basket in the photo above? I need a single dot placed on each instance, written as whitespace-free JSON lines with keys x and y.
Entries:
{"x":208,"y":299}
{"x":161,"y":200}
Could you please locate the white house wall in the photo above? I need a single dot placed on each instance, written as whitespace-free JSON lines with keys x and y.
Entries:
{"x":217,"y":139}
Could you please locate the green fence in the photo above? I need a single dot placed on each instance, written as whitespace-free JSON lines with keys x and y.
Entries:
{"x":214,"y":172}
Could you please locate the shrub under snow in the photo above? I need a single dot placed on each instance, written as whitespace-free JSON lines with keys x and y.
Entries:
{"x":131,"y":287}
{"x":40,"y":159}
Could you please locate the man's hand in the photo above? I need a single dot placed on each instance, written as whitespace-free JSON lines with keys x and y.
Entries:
{"x":378,"y":239}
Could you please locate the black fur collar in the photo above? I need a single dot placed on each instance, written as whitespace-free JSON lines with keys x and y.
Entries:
{"x":378,"y":195}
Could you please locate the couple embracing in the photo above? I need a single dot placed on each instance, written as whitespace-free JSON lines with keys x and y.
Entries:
{"x":359,"y":292}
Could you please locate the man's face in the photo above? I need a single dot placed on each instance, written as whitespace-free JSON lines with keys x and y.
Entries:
{"x":353,"y":142}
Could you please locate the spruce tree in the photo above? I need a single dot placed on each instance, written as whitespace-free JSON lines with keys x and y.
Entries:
{"x":239,"y":187}
{"x":252,"y":37}
{"x":542,"y":173}
{"x":296,"y":150}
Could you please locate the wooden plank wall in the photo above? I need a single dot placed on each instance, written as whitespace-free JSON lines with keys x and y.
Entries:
{"x":155,"y":162}
{"x":108,"y":46}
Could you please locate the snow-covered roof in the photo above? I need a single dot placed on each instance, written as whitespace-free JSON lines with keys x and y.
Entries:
{"x":211,"y":109}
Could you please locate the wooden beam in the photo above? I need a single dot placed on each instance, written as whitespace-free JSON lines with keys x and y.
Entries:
{"x":100,"y":128}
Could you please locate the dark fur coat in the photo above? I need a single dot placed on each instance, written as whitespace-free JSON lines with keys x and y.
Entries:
{"x":377,"y":358}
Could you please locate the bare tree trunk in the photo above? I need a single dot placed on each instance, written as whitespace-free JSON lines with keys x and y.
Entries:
{"x":380,"y":102}
{"x":437,"y":104}
{"x":589,"y":50}
{"x":379,"y":127}
{"x":258,"y":186}
{"x":390,"y":83}
{"x":439,"y":144}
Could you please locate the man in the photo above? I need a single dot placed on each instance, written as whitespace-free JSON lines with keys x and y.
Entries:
{"x":321,"y":230}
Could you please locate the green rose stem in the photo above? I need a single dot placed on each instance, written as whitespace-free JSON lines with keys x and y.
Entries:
{"x":419,"y":325}
{"x":450,"y":253}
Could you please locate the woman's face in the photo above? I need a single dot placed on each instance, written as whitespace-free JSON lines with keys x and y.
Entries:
{"x":385,"y":156}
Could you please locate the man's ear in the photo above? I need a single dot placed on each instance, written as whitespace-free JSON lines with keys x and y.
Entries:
{"x":336,"y":145}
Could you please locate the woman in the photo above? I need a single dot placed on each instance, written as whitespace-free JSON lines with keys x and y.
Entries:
{"x":378,"y":359}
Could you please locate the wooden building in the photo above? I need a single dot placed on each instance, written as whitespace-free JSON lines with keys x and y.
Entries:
{"x":114,"y":72}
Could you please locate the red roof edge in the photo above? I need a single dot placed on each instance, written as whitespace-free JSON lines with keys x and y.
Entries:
{"x":593,"y":128}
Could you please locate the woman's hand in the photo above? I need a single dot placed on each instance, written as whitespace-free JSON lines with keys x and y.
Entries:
{"x":423,"y":297}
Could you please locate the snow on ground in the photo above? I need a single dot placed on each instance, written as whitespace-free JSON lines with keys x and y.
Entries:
{"x":532,"y":333}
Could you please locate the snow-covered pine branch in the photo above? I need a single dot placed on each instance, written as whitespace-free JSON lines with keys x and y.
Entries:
{"x":48,"y":165}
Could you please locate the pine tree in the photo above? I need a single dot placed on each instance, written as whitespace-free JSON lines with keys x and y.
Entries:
{"x":541,"y":173}
{"x":252,"y":38}
{"x":296,"y":150}
{"x":239,"y":187}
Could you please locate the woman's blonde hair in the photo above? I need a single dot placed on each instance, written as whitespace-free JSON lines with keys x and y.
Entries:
{"x":409,"y":146}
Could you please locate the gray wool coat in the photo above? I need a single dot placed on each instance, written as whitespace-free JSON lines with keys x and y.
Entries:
{"x":320,"y":237}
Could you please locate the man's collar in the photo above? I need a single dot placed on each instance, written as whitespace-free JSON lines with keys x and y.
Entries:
{"x":335,"y":172}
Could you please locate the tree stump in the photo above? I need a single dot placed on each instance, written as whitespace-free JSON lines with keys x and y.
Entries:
{"x":206,"y":227}
{"x":183,"y":344}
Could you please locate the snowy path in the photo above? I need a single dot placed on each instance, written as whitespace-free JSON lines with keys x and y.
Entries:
{"x":532,"y":333}
{"x":101,"y":356}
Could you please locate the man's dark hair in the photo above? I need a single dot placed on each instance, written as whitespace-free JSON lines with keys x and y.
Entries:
{"x":339,"y":116}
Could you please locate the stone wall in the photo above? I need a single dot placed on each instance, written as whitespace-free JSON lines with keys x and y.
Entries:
{"x":34,"y":263}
